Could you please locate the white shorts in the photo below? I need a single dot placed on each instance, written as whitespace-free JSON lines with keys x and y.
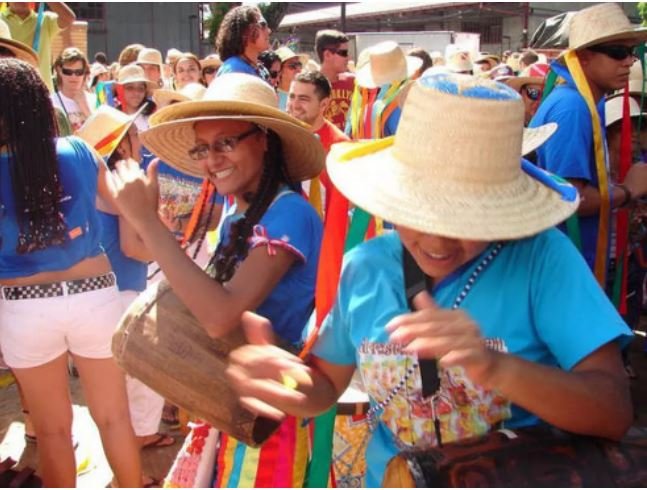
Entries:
{"x":36,"y":331}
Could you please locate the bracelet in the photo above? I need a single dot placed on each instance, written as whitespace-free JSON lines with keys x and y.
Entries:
{"x":628,"y":198}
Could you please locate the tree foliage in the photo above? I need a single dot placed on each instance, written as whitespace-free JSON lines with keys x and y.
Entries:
{"x":642,"y":11}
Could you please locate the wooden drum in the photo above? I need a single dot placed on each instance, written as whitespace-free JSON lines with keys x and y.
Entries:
{"x":160,"y":342}
{"x":350,"y":439}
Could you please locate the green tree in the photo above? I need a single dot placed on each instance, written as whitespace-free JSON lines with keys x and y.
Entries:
{"x":642,"y":11}
{"x":212,"y":23}
{"x":274,"y":13}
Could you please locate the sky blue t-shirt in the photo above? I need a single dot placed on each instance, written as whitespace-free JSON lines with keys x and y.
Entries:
{"x":293,"y":224}
{"x":537,"y":299}
{"x":236,"y":64}
{"x":130,"y":273}
{"x":569,"y":152}
{"x":78,"y":173}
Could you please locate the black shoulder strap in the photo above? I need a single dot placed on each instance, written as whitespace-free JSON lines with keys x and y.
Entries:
{"x":416,"y":281}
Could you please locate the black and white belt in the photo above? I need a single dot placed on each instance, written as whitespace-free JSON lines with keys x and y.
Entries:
{"x":54,"y":289}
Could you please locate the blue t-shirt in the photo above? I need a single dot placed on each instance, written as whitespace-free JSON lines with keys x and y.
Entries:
{"x":569,"y":152}
{"x":237,"y":64}
{"x":293,"y":224}
{"x":78,"y":173}
{"x":130,"y":273}
{"x":283,"y":99}
{"x":537,"y":299}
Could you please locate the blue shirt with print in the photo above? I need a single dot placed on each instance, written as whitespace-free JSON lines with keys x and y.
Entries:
{"x":569,"y":152}
{"x":78,"y":172}
{"x":294,"y":222}
{"x":537,"y":299}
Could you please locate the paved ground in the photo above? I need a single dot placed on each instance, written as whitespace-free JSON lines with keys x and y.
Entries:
{"x":157,"y":462}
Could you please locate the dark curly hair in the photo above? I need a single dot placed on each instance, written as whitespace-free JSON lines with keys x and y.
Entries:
{"x":233,"y":251}
{"x":236,"y":29}
{"x":28,"y":128}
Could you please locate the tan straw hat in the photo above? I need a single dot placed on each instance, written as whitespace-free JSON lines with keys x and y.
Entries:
{"x":235,"y":96}
{"x":213,"y":60}
{"x":150,"y":56}
{"x":600,"y":24}
{"x":134,"y":74}
{"x":20,"y":50}
{"x":459,"y":62}
{"x":613,"y":109}
{"x":284,"y":53}
{"x":191,"y":91}
{"x":453,"y":167}
{"x":105,"y":128}
{"x":387,"y":63}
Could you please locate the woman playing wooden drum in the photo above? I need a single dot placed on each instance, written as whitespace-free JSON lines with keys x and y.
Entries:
{"x":520,"y":330}
{"x":267,"y":254}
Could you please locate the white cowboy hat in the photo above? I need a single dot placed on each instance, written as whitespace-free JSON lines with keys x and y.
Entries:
{"x":601,"y":24}
{"x":284,"y":53}
{"x":613,"y":110}
{"x":233,"y":96}
{"x":191,"y":91}
{"x":105,"y":128}
{"x":134,"y":74}
{"x":387,"y":63}
{"x":19,"y":50}
{"x":453,"y":167}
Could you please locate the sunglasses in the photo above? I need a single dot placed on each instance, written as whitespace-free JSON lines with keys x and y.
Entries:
{"x":221,"y":145}
{"x":210,"y":71}
{"x":533,"y":93}
{"x":617,"y":52}
{"x":274,"y":74}
{"x":295,"y":66}
{"x":68,"y":72}
{"x":341,"y":52}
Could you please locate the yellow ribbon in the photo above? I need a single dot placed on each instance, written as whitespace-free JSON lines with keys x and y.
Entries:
{"x":574,"y":67}
{"x":315,"y":196}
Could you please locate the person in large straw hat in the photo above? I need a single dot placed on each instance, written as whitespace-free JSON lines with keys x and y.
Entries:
{"x":598,"y":60}
{"x":210,"y":66}
{"x":479,"y":224}
{"x":57,"y":290}
{"x":151,"y":61}
{"x":291,"y":66}
{"x":266,"y":260}
{"x":15,"y":49}
{"x":132,"y":92}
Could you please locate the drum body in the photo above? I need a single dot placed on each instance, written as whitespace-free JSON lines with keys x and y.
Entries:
{"x":162,"y":344}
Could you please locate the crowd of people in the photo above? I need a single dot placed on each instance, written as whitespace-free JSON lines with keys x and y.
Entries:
{"x":281,"y":193}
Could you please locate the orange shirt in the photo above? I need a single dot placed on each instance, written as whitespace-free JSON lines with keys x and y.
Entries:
{"x":342,"y":92}
{"x":328,"y":134}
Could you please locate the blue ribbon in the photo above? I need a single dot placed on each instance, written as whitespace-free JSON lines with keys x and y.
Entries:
{"x":39,"y":24}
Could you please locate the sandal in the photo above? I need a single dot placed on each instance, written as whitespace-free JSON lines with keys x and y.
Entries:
{"x":160,"y":439}
{"x":170,"y":416}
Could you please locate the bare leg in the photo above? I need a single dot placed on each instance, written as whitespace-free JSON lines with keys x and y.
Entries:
{"x":46,"y":392}
{"x":104,"y":387}
{"x":29,"y":426}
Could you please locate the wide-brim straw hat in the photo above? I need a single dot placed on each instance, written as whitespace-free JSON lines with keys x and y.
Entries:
{"x":613,"y":110}
{"x":105,"y":128}
{"x":20,"y":50}
{"x":459,"y":62}
{"x":453,"y":167}
{"x":150,"y":56}
{"x":191,"y":91}
{"x":213,"y":60}
{"x":233,"y":96}
{"x":602,"y":23}
{"x":134,"y":74}
{"x":387,"y":63}
{"x":534,"y":74}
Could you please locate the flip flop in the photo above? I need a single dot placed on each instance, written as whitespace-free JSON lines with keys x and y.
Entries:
{"x":161,"y":440}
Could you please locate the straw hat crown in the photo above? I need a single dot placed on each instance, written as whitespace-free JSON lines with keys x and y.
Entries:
{"x":284,"y":53}
{"x":453,"y":168}
{"x":150,"y":56}
{"x":233,"y":96}
{"x":601,"y":23}
{"x":387,"y":63}
{"x":20,"y":50}
{"x":133,"y":74}
{"x":211,"y":60}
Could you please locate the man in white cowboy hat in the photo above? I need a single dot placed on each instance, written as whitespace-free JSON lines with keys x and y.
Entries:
{"x":291,"y":66}
{"x":601,"y":48}
{"x":151,"y":61}
{"x":24,"y":23}
{"x":308,"y":100}
{"x":508,"y":309}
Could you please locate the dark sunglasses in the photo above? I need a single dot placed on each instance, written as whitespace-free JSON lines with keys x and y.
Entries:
{"x":341,"y":52}
{"x":210,"y":70}
{"x":79,"y":73}
{"x":295,"y":66}
{"x":262,"y":24}
{"x":617,"y":52}
{"x":533,"y":93}
{"x":274,"y":74}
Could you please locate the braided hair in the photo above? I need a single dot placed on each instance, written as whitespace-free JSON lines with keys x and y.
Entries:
{"x":28,"y":128}
{"x":235,"y":31}
{"x":228,"y":256}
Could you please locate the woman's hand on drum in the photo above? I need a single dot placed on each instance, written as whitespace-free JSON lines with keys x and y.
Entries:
{"x":135,"y":193}
{"x":450,"y":336}
{"x":267,"y":378}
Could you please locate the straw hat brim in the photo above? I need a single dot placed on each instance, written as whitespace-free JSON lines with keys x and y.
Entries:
{"x":518,"y":82}
{"x":637,"y":34}
{"x":171,"y":140}
{"x":150,"y":85}
{"x":163,"y":97}
{"x":21,"y":51}
{"x":364,"y":76}
{"x":387,"y":188}
{"x":210,"y":62}
{"x":533,"y":138}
